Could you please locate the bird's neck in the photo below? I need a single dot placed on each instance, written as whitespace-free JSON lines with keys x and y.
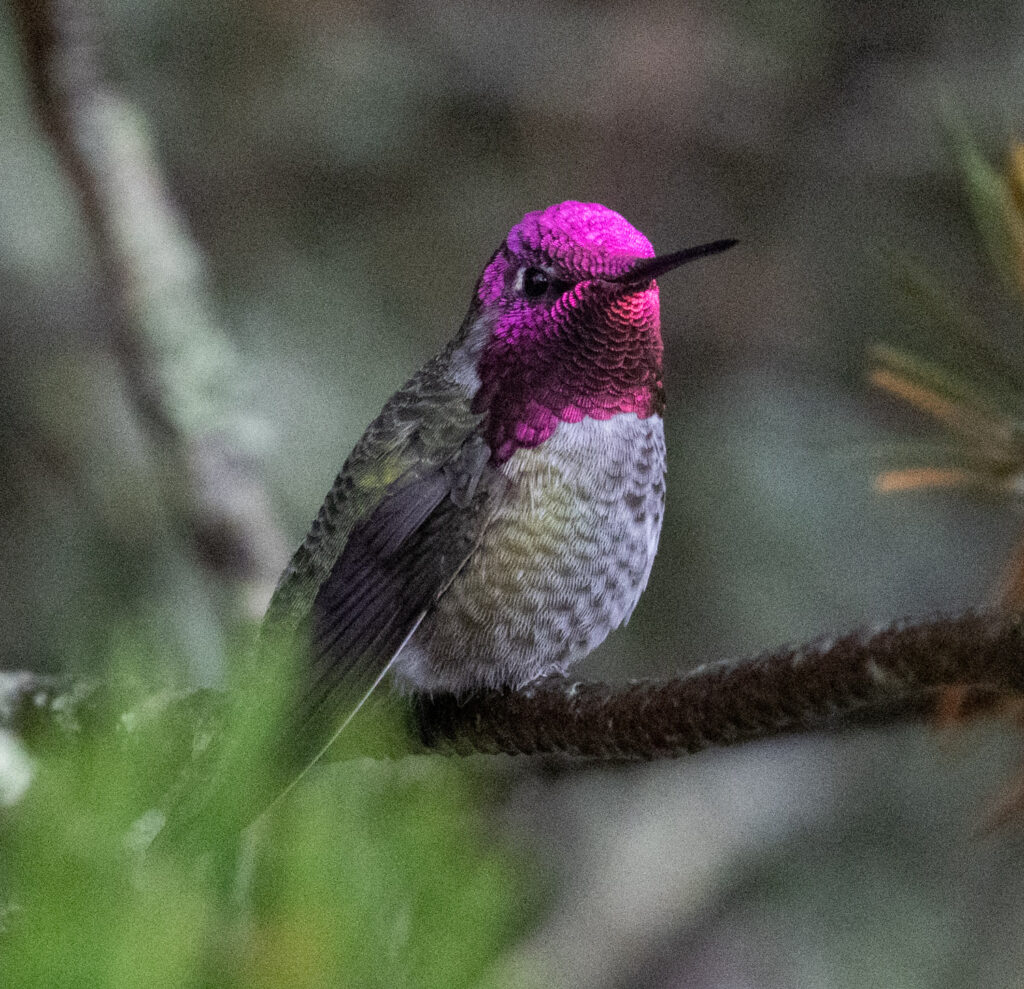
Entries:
{"x":583,"y":366}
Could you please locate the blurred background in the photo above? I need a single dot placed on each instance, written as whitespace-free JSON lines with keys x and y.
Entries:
{"x":346,"y":170}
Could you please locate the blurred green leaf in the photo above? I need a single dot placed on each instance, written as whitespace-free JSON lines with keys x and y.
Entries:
{"x":995,"y":210}
{"x":368,"y":873}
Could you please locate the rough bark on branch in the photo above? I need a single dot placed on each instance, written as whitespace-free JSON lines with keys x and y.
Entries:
{"x":891,"y":674}
{"x":887,"y":674}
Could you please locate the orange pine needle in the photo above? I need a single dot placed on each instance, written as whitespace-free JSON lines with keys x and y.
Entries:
{"x":952,"y":414}
{"x":913,"y":394}
{"x":922,"y":478}
{"x":1015,"y":173}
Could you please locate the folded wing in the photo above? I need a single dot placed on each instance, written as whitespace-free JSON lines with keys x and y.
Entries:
{"x":395,"y":565}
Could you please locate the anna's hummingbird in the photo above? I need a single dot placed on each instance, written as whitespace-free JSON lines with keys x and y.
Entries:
{"x":500,"y":516}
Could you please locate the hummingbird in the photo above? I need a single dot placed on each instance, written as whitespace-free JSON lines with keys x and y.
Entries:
{"x":501,"y":514}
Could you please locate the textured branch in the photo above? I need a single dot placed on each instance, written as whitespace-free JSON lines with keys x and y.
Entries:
{"x":177,"y":364}
{"x":879,"y":675}
{"x":887,"y":675}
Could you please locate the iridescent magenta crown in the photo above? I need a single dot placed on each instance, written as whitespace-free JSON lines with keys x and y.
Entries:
{"x":584,"y":238}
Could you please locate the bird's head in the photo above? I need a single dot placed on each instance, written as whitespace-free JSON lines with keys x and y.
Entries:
{"x":567,"y":309}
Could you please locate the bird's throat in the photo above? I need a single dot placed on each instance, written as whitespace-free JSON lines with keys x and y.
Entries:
{"x":591,"y":362}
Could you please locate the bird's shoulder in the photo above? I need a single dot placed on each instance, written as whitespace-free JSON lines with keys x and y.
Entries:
{"x":422,"y":426}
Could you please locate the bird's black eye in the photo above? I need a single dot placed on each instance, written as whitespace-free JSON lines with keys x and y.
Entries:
{"x":535,"y":283}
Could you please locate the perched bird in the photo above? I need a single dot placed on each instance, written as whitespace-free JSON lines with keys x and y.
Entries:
{"x":500,"y":516}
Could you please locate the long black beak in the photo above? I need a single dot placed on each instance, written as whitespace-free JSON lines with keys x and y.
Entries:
{"x":651,"y":268}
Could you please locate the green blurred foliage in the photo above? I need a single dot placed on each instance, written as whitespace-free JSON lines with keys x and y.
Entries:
{"x":365,"y":874}
{"x":996,"y":213}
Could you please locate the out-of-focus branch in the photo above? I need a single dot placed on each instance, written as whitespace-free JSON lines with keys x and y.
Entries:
{"x":889,"y":675}
{"x":178,"y":366}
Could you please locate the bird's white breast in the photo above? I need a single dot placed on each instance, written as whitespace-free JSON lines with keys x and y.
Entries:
{"x":562,"y":563}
